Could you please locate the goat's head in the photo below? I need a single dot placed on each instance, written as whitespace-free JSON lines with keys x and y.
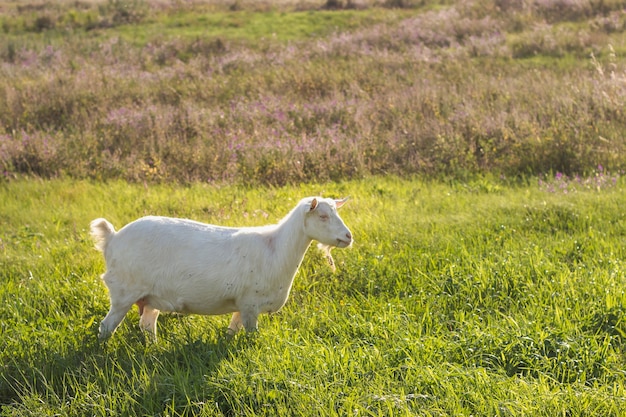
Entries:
{"x":322,"y":222}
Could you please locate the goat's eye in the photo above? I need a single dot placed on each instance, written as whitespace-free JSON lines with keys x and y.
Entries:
{"x":324,"y":217}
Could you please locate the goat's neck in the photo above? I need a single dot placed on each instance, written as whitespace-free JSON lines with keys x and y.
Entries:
{"x":289,"y":246}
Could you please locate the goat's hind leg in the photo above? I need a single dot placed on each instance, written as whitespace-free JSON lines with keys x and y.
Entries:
{"x":148,"y":320}
{"x":116,"y":314}
{"x":120,"y":304}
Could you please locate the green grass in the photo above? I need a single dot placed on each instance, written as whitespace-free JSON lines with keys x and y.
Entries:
{"x":248,"y":25}
{"x":484,"y":297}
{"x":457,"y":299}
{"x":255,"y":26}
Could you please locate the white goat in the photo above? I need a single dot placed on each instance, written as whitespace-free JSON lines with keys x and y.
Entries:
{"x":179,"y":265}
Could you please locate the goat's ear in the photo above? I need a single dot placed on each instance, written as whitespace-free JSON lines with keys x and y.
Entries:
{"x":341,"y":202}
{"x":313,"y":204}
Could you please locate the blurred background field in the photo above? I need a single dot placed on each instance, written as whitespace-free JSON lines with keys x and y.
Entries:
{"x":292,"y":91}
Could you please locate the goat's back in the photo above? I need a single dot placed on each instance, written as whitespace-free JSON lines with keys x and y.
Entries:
{"x":162,"y":248}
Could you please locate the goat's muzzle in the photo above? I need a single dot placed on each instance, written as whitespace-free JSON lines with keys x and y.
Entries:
{"x":344,"y":243}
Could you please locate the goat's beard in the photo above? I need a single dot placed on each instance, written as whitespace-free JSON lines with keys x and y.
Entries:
{"x":326,"y":249}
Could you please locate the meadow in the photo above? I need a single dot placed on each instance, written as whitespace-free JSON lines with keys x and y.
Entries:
{"x":456,"y":299}
{"x":289,"y":92}
{"x":481,"y":142}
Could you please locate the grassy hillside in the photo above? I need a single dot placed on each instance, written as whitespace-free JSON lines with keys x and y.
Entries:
{"x":273,"y":94}
{"x":474,"y":299}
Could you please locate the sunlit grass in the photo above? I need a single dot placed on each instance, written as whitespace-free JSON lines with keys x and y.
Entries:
{"x":475,"y":298}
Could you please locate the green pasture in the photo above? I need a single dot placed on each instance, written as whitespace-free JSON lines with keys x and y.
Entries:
{"x":480,"y":298}
{"x":483,"y":281}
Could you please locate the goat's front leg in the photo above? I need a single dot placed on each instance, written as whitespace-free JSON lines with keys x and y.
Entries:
{"x":235,"y":324}
{"x":246,"y":320}
{"x":250,"y":321}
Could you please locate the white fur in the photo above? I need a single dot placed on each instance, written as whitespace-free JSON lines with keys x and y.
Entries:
{"x":163,"y":263}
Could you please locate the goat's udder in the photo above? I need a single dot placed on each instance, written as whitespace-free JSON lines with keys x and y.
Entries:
{"x":141,"y":303}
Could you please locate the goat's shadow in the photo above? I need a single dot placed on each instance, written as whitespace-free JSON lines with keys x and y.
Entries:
{"x":174,"y":370}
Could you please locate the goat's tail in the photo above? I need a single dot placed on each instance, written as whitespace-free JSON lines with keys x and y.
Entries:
{"x":101,"y":231}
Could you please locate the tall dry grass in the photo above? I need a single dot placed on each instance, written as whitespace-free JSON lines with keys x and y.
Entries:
{"x":503,"y":87}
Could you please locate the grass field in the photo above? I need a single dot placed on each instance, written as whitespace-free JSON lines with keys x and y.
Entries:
{"x":479,"y":298}
{"x":482,"y":143}
{"x":290,"y":92}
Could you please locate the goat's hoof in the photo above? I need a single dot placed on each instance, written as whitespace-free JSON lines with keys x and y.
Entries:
{"x":229,"y":333}
{"x":252,"y":335}
{"x":103,"y":334}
